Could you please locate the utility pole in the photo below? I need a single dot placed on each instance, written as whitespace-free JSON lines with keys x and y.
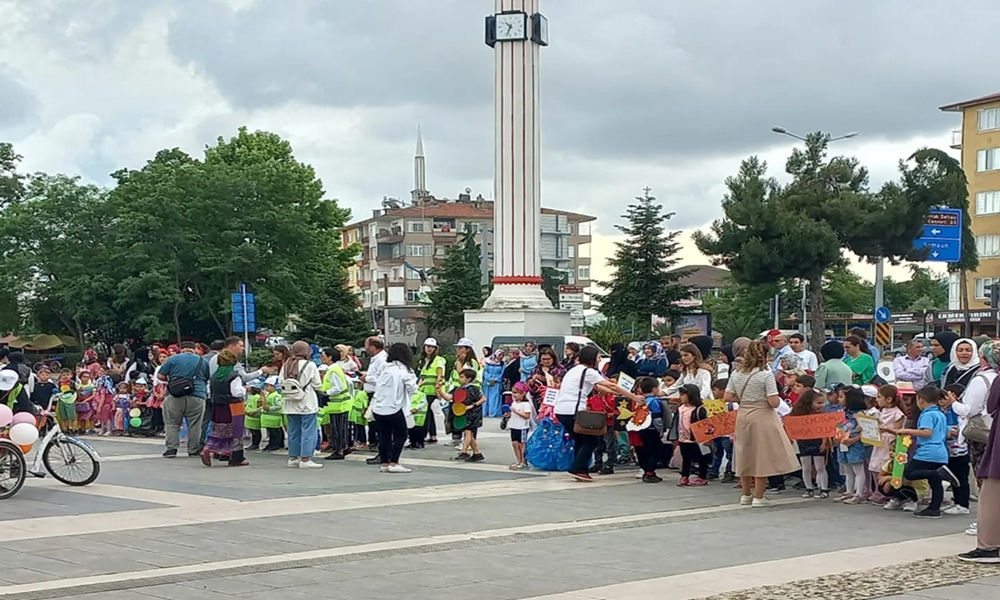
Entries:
{"x":879,"y":291}
{"x":777,"y":310}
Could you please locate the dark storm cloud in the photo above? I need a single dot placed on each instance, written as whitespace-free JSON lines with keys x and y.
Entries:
{"x":628,"y":79}
{"x":17,"y":104}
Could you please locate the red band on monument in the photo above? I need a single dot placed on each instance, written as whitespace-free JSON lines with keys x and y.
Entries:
{"x":517,"y":280}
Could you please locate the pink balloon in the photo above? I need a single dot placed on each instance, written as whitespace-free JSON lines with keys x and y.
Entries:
{"x":6,"y":415}
{"x":23,"y":418}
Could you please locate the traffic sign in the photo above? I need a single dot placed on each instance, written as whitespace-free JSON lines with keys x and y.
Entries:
{"x":942,"y":233}
{"x":244,"y":310}
{"x":883,"y":334}
{"x":882,"y":315}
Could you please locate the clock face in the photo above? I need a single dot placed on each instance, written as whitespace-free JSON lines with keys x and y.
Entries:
{"x":511,"y":26}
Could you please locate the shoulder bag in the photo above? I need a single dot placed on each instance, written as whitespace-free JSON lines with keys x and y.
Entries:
{"x":183,"y":386}
{"x":976,"y":430}
{"x":588,"y":422}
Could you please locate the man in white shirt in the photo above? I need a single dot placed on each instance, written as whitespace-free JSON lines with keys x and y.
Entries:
{"x":798,"y":343}
{"x":375,"y":348}
{"x":912,"y":366}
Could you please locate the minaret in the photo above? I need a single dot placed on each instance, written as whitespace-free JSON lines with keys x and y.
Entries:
{"x":419,"y":170}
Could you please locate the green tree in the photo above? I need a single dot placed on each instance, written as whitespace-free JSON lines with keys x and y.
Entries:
{"x":458,"y":286}
{"x":844,"y":291}
{"x":11,"y":182}
{"x":551,"y":280}
{"x":643,"y":283}
{"x":924,"y":289}
{"x":772,"y":232}
{"x":334,"y":315}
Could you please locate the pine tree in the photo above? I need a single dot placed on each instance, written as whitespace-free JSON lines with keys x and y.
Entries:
{"x":334,"y":316}
{"x":458,"y":286}
{"x":551,"y":280}
{"x":643,"y":283}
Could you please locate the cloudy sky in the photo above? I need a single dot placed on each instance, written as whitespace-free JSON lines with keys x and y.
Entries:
{"x":634,"y":92}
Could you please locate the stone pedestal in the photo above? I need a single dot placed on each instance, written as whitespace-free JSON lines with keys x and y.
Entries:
{"x":481,"y":326}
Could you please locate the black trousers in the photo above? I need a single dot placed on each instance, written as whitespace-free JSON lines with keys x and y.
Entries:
{"x":255,"y":438}
{"x":648,"y":453}
{"x":921,"y":469}
{"x":583,"y":446}
{"x":391,"y":436}
{"x":959,"y":465}
{"x":691,"y":455}
{"x":275,"y":438}
{"x":431,"y":423}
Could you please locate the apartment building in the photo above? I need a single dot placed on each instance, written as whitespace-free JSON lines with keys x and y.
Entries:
{"x":979,"y":143}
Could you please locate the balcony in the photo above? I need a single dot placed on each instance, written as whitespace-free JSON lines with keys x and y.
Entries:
{"x":385,"y":260}
{"x":390,"y":236}
{"x":956,"y":139}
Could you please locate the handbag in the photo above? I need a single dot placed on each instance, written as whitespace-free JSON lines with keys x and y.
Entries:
{"x":976,"y":430}
{"x":588,"y":422}
{"x":178,"y":387}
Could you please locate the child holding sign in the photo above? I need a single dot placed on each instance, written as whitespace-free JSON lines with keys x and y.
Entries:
{"x":811,"y":455}
{"x":691,"y":411}
{"x":851,"y":452}
{"x":889,"y":415}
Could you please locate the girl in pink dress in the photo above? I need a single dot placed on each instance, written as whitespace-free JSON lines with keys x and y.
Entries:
{"x":105,"y":404}
{"x":890,"y":417}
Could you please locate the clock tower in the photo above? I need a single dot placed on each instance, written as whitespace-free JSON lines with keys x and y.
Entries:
{"x":517,"y":306}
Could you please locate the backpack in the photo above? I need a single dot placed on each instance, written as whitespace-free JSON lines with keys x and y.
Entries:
{"x":292,"y":389}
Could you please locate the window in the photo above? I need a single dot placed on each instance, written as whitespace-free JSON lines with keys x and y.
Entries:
{"x":988,"y":160}
{"x":988,"y":245}
{"x":570,"y":277}
{"x":373,"y":228}
{"x":381,"y":296}
{"x":411,"y":274}
{"x":415,"y":226}
{"x":476,"y":228}
{"x":418,"y":250}
{"x":583,"y":229}
{"x":983,"y":284}
{"x":397,"y":273}
{"x":572,"y":252}
{"x":989,"y":118}
{"x":583,"y":272}
{"x":988,"y":203}
{"x":412,"y":296}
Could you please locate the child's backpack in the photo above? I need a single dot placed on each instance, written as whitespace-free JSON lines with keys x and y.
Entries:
{"x":292,"y":390}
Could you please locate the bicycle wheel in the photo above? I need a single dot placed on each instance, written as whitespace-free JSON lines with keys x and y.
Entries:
{"x":72,"y":463}
{"x":13,"y":469}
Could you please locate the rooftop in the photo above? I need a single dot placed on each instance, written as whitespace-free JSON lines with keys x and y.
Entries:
{"x":960,"y":106}
{"x":462,"y":210}
{"x":704,"y":277}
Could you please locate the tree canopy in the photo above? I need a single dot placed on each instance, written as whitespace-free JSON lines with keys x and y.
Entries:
{"x":457,"y":285}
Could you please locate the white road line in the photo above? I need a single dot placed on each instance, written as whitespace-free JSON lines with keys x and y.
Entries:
{"x":123,"y":492}
{"x":138,"y":576}
{"x":463,"y":466}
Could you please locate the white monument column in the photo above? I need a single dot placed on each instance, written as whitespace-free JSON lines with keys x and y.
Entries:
{"x":518,"y":31}
{"x":517,"y":305}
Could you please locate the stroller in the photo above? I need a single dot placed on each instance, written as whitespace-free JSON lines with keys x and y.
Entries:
{"x":144,"y":419}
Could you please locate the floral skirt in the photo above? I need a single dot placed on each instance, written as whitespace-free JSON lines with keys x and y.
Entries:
{"x":226,"y":436}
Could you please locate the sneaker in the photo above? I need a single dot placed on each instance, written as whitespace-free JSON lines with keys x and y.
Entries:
{"x":524,"y":466}
{"x":683,"y":481}
{"x":843,"y":497}
{"x":293,"y":463}
{"x":911,"y":506}
{"x":651,"y":479}
{"x":254,"y":448}
{"x":640,"y":474}
{"x":854,"y":500}
{"x":607,"y":470}
{"x":431,"y":441}
{"x":760,"y":503}
{"x":986,"y":557}
{"x":712,"y":477}
{"x":956,"y":509}
{"x":462,"y":456}
{"x":170,"y":454}
{"x":928,"y":513}
{"x":515,"y":467}
{"x":309,"y":464}
{"x":398,"y":469}
{"x":729,"y":478}
{"x":774,"y":490}
{"x":475,"y":458}
{"x":335,"y":457}
{"x":375,"y":460}
{"x":746,"y":500}
{"x":383,"y":469}
{"x":893,"y":504}
{"x":808,"y":494}
{"x":698,"y":481}
{"x":582,"y":477}
{"x":878,"y":498}
{"x":948,"y":476}
{"x":595,"y":469}
{"x":972,"y":529}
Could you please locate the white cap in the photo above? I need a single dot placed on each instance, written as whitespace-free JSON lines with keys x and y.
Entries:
{"x":431,"y":342}
{"x":272,"y":380}
{"x":323,"y":367}
{"x":465,"y":342}
{"x":870,"y":391}
{"x":141,"y":381}
{"x":8,"y":379}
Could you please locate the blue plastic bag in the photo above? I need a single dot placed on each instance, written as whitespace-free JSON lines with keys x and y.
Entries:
{"x":548,"y":448}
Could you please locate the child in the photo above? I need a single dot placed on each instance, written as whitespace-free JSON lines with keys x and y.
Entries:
{"x":417,"y":433}
{"x":930,"y":461}
{"x":958,"y":452}
{"x":519,"y":424}
{"x":122,"y":401}
{"x":889,"y":415}
{"x":812,"y":458}
{"x":722,"y":447}
{"x":668,"y":381}
{"x":474,"y":401}
{"x":356,"y":416}
{"x":647,"y":440}
{"x":907,"y":496}
{"x":690,"y":412}
{"x":66,"y":411}
{"x":851,"y":452}
{"x":105,"y":404}
{"x":86,"y":395}
{"x":272,"y":419}
{"x":606,"y":453}
{"x":253,"y":408}
{"x":834,"y":403}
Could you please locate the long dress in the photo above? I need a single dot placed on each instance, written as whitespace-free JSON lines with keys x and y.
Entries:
{"x":762,"y":446}
{"x":493,"y":388}
{"x":228,"y":413}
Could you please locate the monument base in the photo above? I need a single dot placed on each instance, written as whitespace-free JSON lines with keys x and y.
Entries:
{"x":481,"y":326}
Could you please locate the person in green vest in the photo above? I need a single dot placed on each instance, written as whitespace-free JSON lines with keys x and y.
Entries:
{"x":356,"y":416}
{"x":432,"y":368}
{"x":273,"y":419}
{"x":861,"y":363}
{"x":340,"y":399}
{"x":418,"y":407}
{"x":13,"y":394}
{"x":253,"y":408}
{"x":465,"y":358}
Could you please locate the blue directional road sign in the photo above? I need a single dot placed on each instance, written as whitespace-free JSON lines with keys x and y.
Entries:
{"x":244,"y":311}
{"x":943,"y":235}
{"x":882,"y":315}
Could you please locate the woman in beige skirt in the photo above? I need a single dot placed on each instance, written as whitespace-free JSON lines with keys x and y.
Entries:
{"x":762,"y":446}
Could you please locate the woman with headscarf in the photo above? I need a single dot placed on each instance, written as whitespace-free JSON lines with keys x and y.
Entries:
{"x":963,"y":365}
{"x":987,"y":528}
{"x":227,"y":392}
{"x":493,"y":368}
{"x":346,"y":363}
{"x":300,"y":379}
{"x":93,"y":365}
{"x":833,"y":369}
{"x":619,"y":363}
{"x":705,"y":343}
{"x":512,"y":371}
{"x":740,"y":345}
{"x":941,"y":345}
{"x":653,"y":362}
{"x":529,"y":360}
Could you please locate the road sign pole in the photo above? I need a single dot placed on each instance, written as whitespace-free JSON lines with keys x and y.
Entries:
{"x":879,"y":286}
{"x":246,"y":319}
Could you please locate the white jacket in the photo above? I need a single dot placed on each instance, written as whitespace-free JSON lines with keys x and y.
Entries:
{"x":394,"y":388}
{"x":310,"y":381}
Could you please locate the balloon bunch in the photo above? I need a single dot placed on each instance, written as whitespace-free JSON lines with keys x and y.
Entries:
{"x":23,"y":429}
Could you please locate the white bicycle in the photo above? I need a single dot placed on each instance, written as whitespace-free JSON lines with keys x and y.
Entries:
{"x":69,"y":460}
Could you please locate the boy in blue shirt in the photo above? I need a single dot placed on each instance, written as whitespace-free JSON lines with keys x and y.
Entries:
{"x":930,"y":461}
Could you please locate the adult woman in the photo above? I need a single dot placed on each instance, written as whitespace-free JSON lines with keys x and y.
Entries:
{"x":432,"y":367}
{"x":832,"y":369}
{"x":692,"y":371}
{"x":93,"y":364}
{"x":619,"y":362}
{"x":762,"y":447}
{"x":227,"y":393}
{"x":570,"y":351}
{"x":740,"y":346}
{"x":346,"y":362}
{"x":529,"y":360}
{"x":512,"y":370}
{"x":963,"y":364}
{"x":487,"y":352}
{"x":653,"y":362}
{"x":577,"y":386}
{"x":705,"y":343}
{"x":493,"y":382}
{"x":941,"y":345}
{"x":859,"y":360}
{"x":395,"y":386}
{"x":548,"y":373}
{"x":301,"y":405}
{"x":117,"y":363}
{"x":988,"y":530}
{"x":280,"y":355}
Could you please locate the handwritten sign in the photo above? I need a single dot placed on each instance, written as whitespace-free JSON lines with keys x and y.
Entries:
{"x":720,"y":425}
{"x":869,"y":430}
{"x":714,"y":407}
{"x":550,"y":396}
{"x":811,"y":427}
{"x":626,"y":382}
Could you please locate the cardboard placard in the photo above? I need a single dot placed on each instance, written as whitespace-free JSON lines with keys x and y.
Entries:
{"x":718,"y":426}
{"x":626,"y":382}
{"x":714,"y":407}
{"x":899,"y":459}
{"x":549,"y":399}
{"x":811,"y":427}
{"x":869,"y":430}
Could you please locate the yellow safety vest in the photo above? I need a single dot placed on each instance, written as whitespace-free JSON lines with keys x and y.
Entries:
{"x":429,"y":374}
{"x":341,"y":403}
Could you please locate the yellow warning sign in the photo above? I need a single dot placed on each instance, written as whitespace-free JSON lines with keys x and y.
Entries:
{"x":883,"y":334}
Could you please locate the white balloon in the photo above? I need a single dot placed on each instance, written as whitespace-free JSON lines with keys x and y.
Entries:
{"x":23,"y":434}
